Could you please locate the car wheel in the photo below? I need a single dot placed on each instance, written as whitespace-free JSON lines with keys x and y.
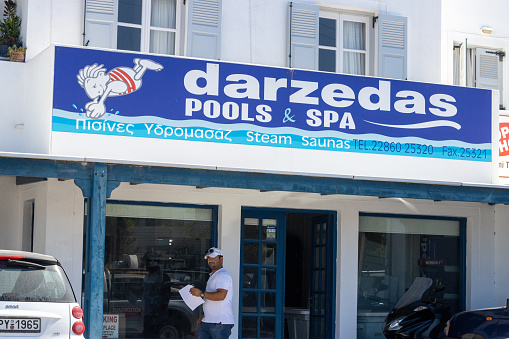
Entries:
{"x":472,"y":336}
{"x":169,"y":331}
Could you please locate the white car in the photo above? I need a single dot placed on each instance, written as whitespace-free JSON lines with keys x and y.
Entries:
{"x":36,"y":298}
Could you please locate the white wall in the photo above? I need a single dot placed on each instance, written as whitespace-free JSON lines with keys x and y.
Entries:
{"x":424,"y":29}
{"x":471,"y":15}
{"x":27,"y":96}
{"x":501,"y":234}
{"x":58,"y":221}
{"x":10,"y":214}
{"x":51,"y":22}
{"x":38,"y":99}
{"x":12,"y":109}
{"x":64,"y":228}
{"x":255,"y":32}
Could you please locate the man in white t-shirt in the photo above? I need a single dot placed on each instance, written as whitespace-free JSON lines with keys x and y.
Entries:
{"x":217,"y":320}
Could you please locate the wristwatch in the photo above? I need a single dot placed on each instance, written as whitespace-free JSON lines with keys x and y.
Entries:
{"x":202,"y":295}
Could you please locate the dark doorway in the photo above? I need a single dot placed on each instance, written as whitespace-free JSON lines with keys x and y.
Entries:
{"x":297,"y":301}
{"x":308,"y":283}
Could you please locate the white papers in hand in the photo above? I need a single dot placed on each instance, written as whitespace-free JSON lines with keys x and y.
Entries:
{"x":191,"y":301}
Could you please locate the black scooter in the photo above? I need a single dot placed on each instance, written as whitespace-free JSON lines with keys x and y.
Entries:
{"x":413,"y":314}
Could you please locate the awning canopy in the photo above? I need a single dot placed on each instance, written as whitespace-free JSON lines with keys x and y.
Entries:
{"x":31,"y":167}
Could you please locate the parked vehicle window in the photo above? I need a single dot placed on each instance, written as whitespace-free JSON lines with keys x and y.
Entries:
{"x":29,"y":282}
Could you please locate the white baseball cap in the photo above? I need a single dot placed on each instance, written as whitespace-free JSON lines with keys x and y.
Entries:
{"x":213,"y":252}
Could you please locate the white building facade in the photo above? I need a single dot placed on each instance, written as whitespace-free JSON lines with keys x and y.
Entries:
{"x":333,"y":150}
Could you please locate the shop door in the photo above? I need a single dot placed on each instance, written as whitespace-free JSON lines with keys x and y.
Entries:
{"x":320,"y":294}
{"x":262,"y":272}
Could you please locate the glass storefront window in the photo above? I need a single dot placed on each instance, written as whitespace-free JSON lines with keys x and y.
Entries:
{"x":393,"y":251}
{"x":151,"y":252}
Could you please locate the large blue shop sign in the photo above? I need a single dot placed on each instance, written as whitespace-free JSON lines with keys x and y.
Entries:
{"x":148,"y":96}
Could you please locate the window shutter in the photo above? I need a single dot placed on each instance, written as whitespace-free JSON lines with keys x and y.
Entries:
{"x":392,"y":46}
{"x":100,"y":16}
{"x":488,"y":72}
{"x":204,"y":29}
{"x":304,"y":21}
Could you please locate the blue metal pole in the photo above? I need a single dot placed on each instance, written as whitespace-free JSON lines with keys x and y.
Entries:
{"x":94,"y":273}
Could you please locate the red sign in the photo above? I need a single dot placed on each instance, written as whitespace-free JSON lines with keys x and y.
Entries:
{"x":503,"y":141}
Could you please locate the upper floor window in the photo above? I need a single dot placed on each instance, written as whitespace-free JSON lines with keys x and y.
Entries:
{"x":343,"y":43}
{"x":478,"y":67}
{"x":149,"y":26}
{"x":155,"y":26}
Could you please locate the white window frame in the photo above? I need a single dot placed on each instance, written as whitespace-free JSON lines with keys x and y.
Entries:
{"x":340,"y":18}
{"x":197,"y":26}
{"x":145,"y":27}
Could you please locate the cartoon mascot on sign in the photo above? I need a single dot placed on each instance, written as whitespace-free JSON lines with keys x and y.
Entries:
{"x":119,"y":81}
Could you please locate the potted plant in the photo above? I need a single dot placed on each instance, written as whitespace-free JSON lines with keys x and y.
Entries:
{"x":17,"y":53}
{"x":10,"y":25}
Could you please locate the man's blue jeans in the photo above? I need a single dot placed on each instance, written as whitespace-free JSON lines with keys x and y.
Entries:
{"x":214,"y":331}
